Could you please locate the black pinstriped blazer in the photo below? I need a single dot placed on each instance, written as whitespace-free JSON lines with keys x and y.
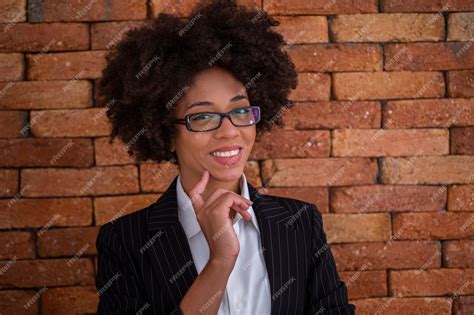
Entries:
{"x":145,"y":263}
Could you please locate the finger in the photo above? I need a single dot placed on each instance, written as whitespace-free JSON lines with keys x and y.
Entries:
{"x":239,"y":208}
{"x":225,"y":203}
{"x":243,"y":208}
{"x":196,"y":193}
{"x":218,"y":193}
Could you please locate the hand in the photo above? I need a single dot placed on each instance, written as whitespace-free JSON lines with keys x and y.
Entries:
{"x":215,"y":221}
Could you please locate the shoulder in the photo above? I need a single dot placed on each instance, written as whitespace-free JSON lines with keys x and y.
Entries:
{"x":129,"y":230}
{"x":295,"y":206}
{"x":305,"y":212}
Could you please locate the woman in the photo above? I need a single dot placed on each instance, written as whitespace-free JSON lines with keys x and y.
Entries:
{"x":199,"y":92}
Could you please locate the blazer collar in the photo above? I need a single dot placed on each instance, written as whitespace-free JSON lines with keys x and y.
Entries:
{"x":166,"y":231}
{"x":165,"y":210}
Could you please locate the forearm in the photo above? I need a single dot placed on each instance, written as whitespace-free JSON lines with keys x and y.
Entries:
{"x":206,"y":293}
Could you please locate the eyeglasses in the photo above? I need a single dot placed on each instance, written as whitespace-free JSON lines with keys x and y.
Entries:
{"x":207,"y":121}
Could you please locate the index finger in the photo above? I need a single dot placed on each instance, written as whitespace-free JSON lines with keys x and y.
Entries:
{"x":195,"y":193}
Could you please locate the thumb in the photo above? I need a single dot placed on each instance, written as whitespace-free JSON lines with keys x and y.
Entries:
{"x":196,"y":193}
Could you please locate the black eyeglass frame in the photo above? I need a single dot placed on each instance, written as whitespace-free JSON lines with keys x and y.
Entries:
{"x":187,"y":118}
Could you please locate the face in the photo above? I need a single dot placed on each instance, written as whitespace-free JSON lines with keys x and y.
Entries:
{"x":217,"y":91}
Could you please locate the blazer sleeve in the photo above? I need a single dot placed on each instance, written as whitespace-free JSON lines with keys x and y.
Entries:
{"x":118,"y":286}
{"x":327,"y":294}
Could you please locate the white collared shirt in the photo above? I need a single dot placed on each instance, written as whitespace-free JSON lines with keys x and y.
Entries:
{"x":248,"y":286}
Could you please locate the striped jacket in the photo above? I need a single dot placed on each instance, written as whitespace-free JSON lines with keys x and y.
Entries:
{"x":145,"y":264}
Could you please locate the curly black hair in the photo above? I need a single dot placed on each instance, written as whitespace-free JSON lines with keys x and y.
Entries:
{"x":148,"y":71}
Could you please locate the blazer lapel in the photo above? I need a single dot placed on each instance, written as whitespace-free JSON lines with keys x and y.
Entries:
{"x":171,"y":257}
{"x":279,"y":245}
{"x":169,"y":253}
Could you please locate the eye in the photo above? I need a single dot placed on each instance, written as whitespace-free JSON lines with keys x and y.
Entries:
{"x":242,"y":110}
{"x":202,"y":116}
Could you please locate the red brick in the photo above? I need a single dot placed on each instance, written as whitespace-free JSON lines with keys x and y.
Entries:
{"x":13,"y":301}
{"x":398,"y":305}
{"x":462,"y":141}
{"x":46,"y":152}
{"x":382,"y":85}
{"x":70,"y":123}
{"x":51,"y":272}
{"x":45,"y":213}
{"x":13,"y":11}
{"x":363,"y":284}
{"x":77,"y":10}
{"x":461,"y":26}
{"x":110,"y":208}
{"x":107,"y":34}
{"x":387,"y":198}
{"x":44,"y":37}
{"x":68,"y":65}
{"x":11,"y":67}
{"x":461,"y":198}
{"x":463,"y":305}
{"x":46,"y":94}
{"x":319,"y":172}
{"x":333,"y":115}
{"x":13,"y":123}
{"x":184,"y":7}
{"x":452,"y":169}
{"x":343,"y":228}
{"x":319,"y":6}
{"x":399,"y":142}
{"x":432,"y":282}
{"x":74,"y":242}
{"x":70,"y":300}
{"x":157,"y":177}
{"x":429,"y":56}
{"x":111,"y":154}
{"x":428,"y":113}
{"x":461,"y":83}
{"x":252,"y":173}
{"x":316,"y":195}
{"x":303,"y":29}
{"x":427,"y":6}
{"x":388,"y":27}
{"x":433,"y":225}
{"x":80,"y":182}
{"x":336,"y":57}
{"x":17,"y":245}
{"x":393,"y":255}
{"x":458,"y":254}
{"x":9,"y":180}
{"x":286,"y":144}
{"x":312,"y":87}
{"x":100,"y":101}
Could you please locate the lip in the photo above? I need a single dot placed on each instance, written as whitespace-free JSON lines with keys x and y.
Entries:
{"x":228,"y":148}
{"x":227,"y":161}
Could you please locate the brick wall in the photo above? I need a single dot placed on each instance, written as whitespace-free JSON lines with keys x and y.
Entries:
{"x":382,"y":135}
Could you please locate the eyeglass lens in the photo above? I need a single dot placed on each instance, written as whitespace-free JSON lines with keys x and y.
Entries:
{"x":240,"y":117}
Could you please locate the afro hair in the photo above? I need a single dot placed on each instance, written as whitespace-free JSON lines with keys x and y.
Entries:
{"x":150,"y":68}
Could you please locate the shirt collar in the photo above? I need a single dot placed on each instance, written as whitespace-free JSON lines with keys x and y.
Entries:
{"x":186,"y":213}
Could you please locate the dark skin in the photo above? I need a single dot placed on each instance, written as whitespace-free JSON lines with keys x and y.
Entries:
{"x":224,"y":93}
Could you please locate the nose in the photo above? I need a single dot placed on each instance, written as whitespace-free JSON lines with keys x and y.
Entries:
{"x":227,"y":129}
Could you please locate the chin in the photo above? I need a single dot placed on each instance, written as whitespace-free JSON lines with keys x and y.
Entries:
{"x":226,"y":174}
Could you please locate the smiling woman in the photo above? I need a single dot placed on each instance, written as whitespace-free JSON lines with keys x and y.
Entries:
{"x":198,"y":92}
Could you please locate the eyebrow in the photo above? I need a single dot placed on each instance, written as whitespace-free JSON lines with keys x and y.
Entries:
{"x":205,"y":103}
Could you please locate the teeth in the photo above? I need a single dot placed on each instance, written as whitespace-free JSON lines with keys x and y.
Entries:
{"x":227,"y":153}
